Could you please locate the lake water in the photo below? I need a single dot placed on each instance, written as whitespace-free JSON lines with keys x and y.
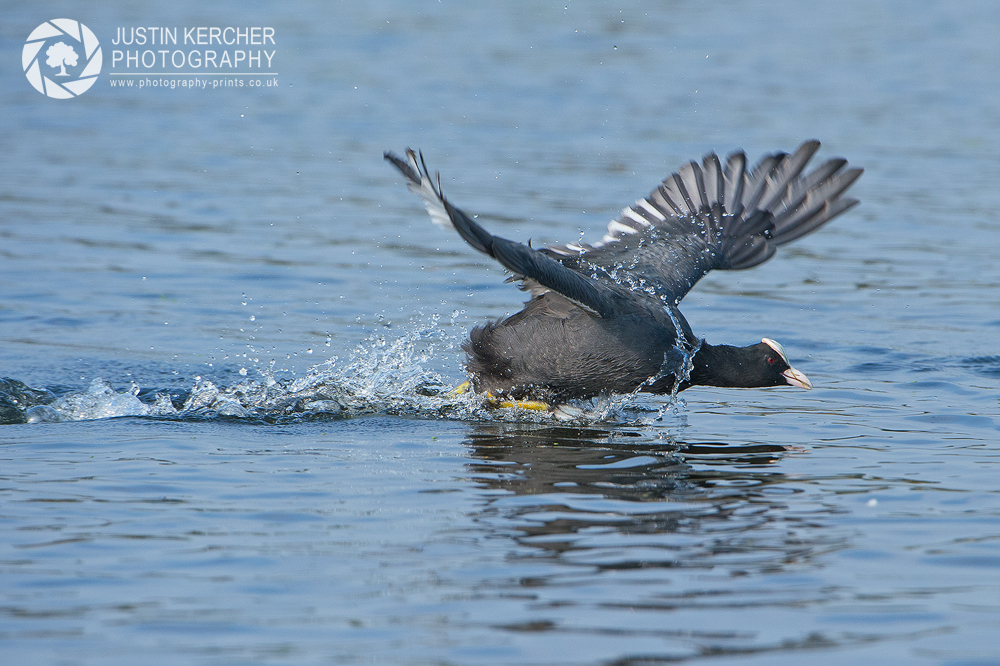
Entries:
{"x":228,"y":328}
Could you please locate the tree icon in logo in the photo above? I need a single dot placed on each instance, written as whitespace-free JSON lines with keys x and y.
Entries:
{"x":59,"y":55}
{"x":66,"y":45}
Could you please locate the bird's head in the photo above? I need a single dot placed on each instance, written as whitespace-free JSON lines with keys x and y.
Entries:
{"x":773,"y":366}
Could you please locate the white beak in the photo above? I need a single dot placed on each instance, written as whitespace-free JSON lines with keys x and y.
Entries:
{"x":796,"y":378}
{"x":792,"y":376}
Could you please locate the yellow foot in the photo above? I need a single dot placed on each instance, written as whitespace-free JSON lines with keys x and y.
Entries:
{"x":534,"y":405}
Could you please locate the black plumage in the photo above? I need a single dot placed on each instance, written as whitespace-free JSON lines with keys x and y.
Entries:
{"x":603,"y":317}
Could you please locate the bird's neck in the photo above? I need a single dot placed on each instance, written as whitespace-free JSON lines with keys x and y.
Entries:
{"x":717,"y":365}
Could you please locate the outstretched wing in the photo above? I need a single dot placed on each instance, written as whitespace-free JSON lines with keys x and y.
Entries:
{"x":707,"y":217}
{"x":527,"y":264}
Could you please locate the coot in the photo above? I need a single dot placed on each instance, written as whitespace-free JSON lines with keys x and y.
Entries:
{"x":603,"y":317}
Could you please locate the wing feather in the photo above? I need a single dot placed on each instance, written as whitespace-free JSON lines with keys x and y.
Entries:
{"x":703,"y":217}
{"x":706,"y":217}
{"x":538,"y":269}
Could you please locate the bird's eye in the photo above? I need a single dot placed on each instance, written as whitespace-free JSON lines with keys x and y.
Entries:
{"x":770,"y":360}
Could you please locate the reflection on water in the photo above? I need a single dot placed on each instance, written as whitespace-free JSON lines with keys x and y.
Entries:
{"x":655,"y":527}
{"x":621,"y":464}
{"x":576,"y":461}
{"x":571,"y":482}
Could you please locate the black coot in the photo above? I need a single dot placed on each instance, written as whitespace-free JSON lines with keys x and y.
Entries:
{"x":603,"y":317}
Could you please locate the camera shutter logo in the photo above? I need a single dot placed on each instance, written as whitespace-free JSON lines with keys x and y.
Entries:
{"x":62,"y":58}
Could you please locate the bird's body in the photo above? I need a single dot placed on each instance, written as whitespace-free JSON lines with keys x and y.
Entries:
{"x":604,"y":318}
{"x":642,"y":348}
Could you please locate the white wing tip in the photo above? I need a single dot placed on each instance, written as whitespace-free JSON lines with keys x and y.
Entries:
{"x":428,"y":193}
{"x":616,"y":227}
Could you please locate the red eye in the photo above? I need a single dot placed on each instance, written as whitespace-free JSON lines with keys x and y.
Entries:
{"x":770,"y":360}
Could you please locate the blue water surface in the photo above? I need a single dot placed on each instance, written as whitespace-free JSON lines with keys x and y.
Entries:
{"x":229,"y":332}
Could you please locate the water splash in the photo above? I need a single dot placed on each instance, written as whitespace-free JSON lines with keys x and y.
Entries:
{"x":381,"y":376}
{"x":100,"y":401}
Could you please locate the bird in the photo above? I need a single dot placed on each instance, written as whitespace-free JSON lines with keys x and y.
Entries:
{"x":603,"y":318}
